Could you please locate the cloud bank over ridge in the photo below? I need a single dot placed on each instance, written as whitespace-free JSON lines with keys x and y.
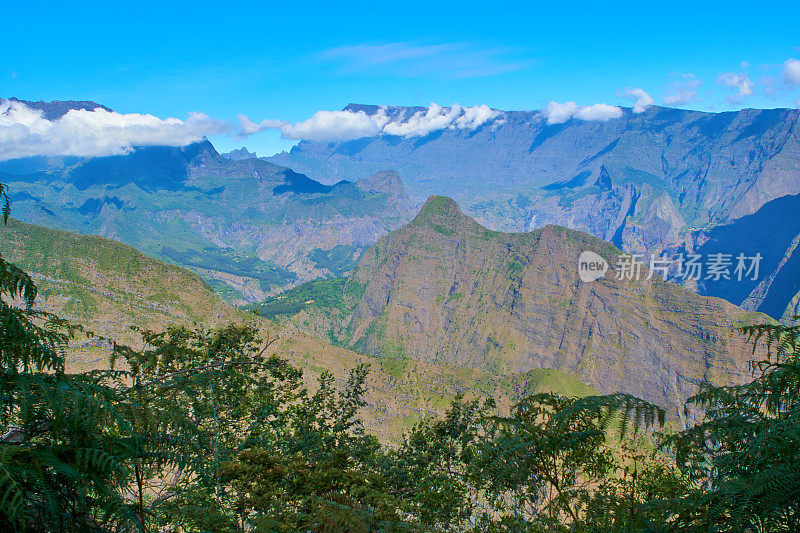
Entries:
{"x":641,"y":99}
{"x":557,"y":113}
{"x":330,"y":126}
{"x":24,"y":132}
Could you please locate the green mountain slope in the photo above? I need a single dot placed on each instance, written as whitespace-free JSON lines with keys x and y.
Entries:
{"x":108,"y":286}
{"x":444,"y":289}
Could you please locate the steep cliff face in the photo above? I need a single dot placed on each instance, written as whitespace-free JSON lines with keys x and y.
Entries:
{"x":772,"y":233}
{"x":57,"y":108}
{"x":713,"y":166}
{"x":444,"y":289}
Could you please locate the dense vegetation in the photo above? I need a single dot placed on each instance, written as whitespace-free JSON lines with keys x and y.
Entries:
{"x":339,"y":294}
{"x":340,"y":259}
{"x":268,"y":275}
{"x":200,"y":431}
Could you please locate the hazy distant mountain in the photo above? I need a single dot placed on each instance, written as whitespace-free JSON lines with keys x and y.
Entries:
{"x":641,"y":181}
{"x":249,"y":227}
{"x":444,"y":289}
{"x":693,"y":156}
{"x":239,"y":154}
{"x":58,"y":108}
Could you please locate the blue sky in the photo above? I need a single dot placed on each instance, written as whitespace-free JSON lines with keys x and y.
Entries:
{"x":288,"y":60}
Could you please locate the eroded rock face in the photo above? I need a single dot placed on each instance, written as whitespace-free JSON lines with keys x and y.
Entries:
{"x":444,"y":289}
{"x":386,"y":182}
{"x":773,"y":232}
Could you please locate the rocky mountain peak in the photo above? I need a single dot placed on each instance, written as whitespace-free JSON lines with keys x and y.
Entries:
{"x":239,"y":154}
{"x":384,"y":182}
{"x":200,"y":149}
{"x":440,"y":210}
{"x":446,"y":289}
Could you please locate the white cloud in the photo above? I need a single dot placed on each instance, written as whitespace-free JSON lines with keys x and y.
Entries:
{"x":739,"y":82}
{"x":248,"y":127}
{"x":25,"y":132}
{"x":332,"y":125}
{"x":329,"y":126}
{"x":791,"y":72}
{"x":599,"y":112}
{"x":557,"y":113}
{"x":682,"y":90}
{"x":641,"y":100}
{"x":476,"y":116}
{"x":421,"y":123}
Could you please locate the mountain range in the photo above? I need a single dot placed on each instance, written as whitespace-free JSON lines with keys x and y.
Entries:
{"x":440,"y":307}
{"x":441,"y":292}
{"x":661,"y":181}
{"x":658,"y":180}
